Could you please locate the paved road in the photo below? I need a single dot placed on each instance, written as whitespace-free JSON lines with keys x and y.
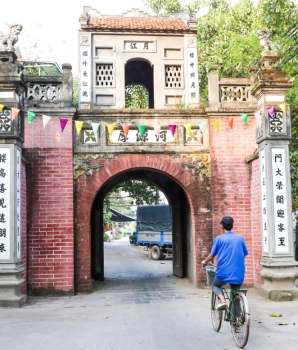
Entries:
{"x":140,"y":305}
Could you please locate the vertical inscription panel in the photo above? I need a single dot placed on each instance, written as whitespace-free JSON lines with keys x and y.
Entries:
{"x":264,"y":203}
{"x":5,"y":204}
{"x":18,"y":208}
{"x":280,"y":201}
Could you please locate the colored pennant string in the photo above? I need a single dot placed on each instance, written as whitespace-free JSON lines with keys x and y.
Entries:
{"x":244,"y":118}
{"x":63,"y":122}
{"x":156,"y":129}
{"x":271,"y":111}
{"x":31,"y":116}
{"x":79,"y":126}
{"x":216,"y":124}
{"x":231,"y":122}
{"x":95,"y":127}
{"x":202,"y":126}
{"x":14,"y":113}
{"x":283,"y":107}
{"x":1,"y":107}
{"x":45,"y":120}
{"x":188,"y":128}
{"x":142,"y":129}
{"x":125,"y":129}
{"x":173,"y":127}
{"x":111,"y":128}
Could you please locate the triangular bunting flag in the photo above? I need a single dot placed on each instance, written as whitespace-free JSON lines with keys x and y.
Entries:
{"x":202,"y":126}
{"x":14,"y":113}
{"x":1,"y":107}
{"x":63,"y":122}
{"x":125,"y":129}
{"x":79,"y":126}
{"x":188,"y":128}
{"x":283,"y":107}
{"x":95,"y":127}
{"x":271,"y":111}
{"x":45,"y":120}
{"x":31,"y":117}
{"x":231,"y":122}
{"x":142,"y":129}
{"x":258,"y":114}
{"x":244,"y":117}
{"x":156,"y":129}
{"x":111,"y":128}
{"x":216,"y":124}
{"x":173,"y":127}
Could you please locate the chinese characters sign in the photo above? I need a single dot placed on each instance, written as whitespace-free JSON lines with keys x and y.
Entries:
{"x":280,"y":201}
{"x":5,"y":204}
{"x":5,"y":120}
{"x":85,"y":73}
{"x":18,"y":209}
{"x":193,"y":80}
{"x":133,"y":136}
{"x":276,"y":124}
{"x":139,"y":46}
{"x":264,"y":202}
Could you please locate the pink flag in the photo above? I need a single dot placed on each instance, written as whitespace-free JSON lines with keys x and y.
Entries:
{"x":14,"y":113}
{"x":125,"y":129}
{"x":63,"y":123}
{"x":271,"y":111}
{"x":173,"y":128}
{"x":157,"y":129}
{"x":258,"y":114}
{"x":45,"y":120}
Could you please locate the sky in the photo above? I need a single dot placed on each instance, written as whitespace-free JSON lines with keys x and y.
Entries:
{"x":50,"y":29}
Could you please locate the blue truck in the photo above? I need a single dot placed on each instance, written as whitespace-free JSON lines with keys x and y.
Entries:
{"x":154,"y":230}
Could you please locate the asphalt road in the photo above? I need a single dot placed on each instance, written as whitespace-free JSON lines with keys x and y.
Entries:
{"x":140,"y":305}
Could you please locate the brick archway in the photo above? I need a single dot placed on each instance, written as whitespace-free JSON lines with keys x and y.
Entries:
{"x":195,"y":188}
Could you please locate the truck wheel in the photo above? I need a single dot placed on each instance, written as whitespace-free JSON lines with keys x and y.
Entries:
{"x":155,"y":252}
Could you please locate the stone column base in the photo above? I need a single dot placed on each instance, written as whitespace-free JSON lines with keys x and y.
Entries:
{"x":10,"y":284}
{"x":279,"y":281}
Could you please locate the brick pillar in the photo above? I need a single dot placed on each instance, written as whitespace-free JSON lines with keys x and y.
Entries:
{"x":273,"y":135}
{"x":12,"y":88}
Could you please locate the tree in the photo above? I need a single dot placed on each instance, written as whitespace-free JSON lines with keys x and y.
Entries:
{"x":227,"y":38}
{"x":136,"y":96}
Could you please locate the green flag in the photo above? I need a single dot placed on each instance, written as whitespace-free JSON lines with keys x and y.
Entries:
{"x":31,"y":117}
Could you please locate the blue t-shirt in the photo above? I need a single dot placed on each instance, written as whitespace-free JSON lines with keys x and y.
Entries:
{"x":231,"y":251}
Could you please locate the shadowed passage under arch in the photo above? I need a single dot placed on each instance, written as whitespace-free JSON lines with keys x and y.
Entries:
{"x":181,"y":220}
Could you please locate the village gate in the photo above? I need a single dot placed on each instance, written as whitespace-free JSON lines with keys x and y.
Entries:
{"x":205,"y":159}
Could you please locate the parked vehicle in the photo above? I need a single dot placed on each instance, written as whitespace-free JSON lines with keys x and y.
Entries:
{"x":154,"y":230}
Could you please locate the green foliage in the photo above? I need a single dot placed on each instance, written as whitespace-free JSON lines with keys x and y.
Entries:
{"x":106,"y":237}
{"x":163,"y":7}
{"x":136,"y":96}
{"x":75,"y":93}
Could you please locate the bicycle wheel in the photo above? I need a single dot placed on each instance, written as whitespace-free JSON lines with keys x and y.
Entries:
{"x":241,"y":320}
{"x":216,"y":316}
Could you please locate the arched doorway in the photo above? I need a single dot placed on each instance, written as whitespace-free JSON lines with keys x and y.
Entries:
{"x":140,"y":72}
{"x":181,"y":220}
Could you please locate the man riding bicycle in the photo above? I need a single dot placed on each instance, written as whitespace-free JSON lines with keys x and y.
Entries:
{"x":230,"y":250}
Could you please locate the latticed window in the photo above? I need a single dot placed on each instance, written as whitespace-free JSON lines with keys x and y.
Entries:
{"x":173,"y":76}
{"x":105,"y":74}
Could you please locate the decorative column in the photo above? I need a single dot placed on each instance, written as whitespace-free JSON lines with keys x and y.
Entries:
{"x":273,"y":135}
{"x":12,"y":88}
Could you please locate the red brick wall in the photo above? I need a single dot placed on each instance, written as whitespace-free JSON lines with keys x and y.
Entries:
{"x":50,"y":207}
{"x":230,"y":179}
{"x":196,"y":188}
{"x":256,"y":228}
{"x":24,"y":226}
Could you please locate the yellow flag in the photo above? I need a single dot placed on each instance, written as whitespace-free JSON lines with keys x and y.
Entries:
{"x":1,"y":107}
{"x":216,"y":124}
{"x":111,"y":128}
{"x":188,"y":128}
{"x":79,"y":126}
{"x":283,"y":107}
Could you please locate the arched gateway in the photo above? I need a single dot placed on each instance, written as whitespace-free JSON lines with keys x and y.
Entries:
{"x":56,"y":171}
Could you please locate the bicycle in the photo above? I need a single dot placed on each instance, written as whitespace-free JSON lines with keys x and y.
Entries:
{"x":237,"y":311}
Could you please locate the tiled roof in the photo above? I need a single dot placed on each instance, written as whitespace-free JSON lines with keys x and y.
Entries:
{"x":156,"y":24}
